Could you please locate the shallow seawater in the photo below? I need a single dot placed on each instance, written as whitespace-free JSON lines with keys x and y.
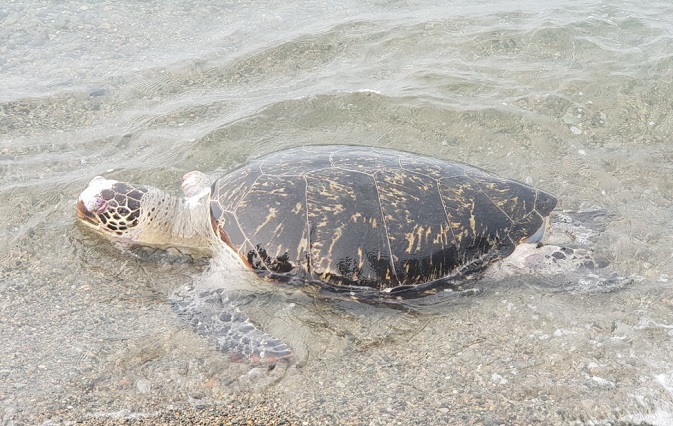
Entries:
{"x":572,"y":97}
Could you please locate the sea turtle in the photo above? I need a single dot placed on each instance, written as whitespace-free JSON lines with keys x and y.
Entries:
{"x":360,"y":222}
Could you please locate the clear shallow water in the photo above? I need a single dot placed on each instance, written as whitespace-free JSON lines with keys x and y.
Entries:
{"x":574,"y":97}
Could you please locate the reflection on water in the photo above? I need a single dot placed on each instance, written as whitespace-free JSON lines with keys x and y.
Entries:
{"x":573,"y":98}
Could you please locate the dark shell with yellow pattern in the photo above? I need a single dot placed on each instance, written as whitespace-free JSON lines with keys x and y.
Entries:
{"x":353,"y":218}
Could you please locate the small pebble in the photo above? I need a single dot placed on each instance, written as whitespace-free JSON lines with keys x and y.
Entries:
{"x":144,"y":385}
{"x":97,"y":92}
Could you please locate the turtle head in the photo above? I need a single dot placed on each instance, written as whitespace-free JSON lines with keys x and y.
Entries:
{"x":130,"y":214}
{"x":113,"y":209}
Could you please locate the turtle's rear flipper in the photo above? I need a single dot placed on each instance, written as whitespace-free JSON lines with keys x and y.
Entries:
{"x":214,"y":315}
{"x":578,"y":228}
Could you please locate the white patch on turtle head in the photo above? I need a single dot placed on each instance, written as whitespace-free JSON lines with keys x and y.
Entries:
{"x":91,"y":198}
{"x":91,"y":203}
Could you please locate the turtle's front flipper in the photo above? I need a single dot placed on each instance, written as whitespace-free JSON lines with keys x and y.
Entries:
{"x":214,"y":315}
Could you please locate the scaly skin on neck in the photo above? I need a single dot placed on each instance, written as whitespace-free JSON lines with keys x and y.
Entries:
{"x":170,"y":222}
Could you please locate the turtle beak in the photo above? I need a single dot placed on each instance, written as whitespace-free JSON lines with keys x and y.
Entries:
{"x":84,"y":214}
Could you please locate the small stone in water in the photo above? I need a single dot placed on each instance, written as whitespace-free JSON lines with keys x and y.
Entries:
{"x":144,"y":385}
{"x":97,"y":92}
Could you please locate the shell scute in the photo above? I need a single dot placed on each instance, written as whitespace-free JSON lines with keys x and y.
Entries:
{"x":513,"y":198}
{"x":417,"y":225}
{"x":343,"y":211}
{"x":477,"y":223}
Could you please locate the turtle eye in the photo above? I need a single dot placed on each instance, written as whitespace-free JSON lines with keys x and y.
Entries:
{"x":96,"y":205}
